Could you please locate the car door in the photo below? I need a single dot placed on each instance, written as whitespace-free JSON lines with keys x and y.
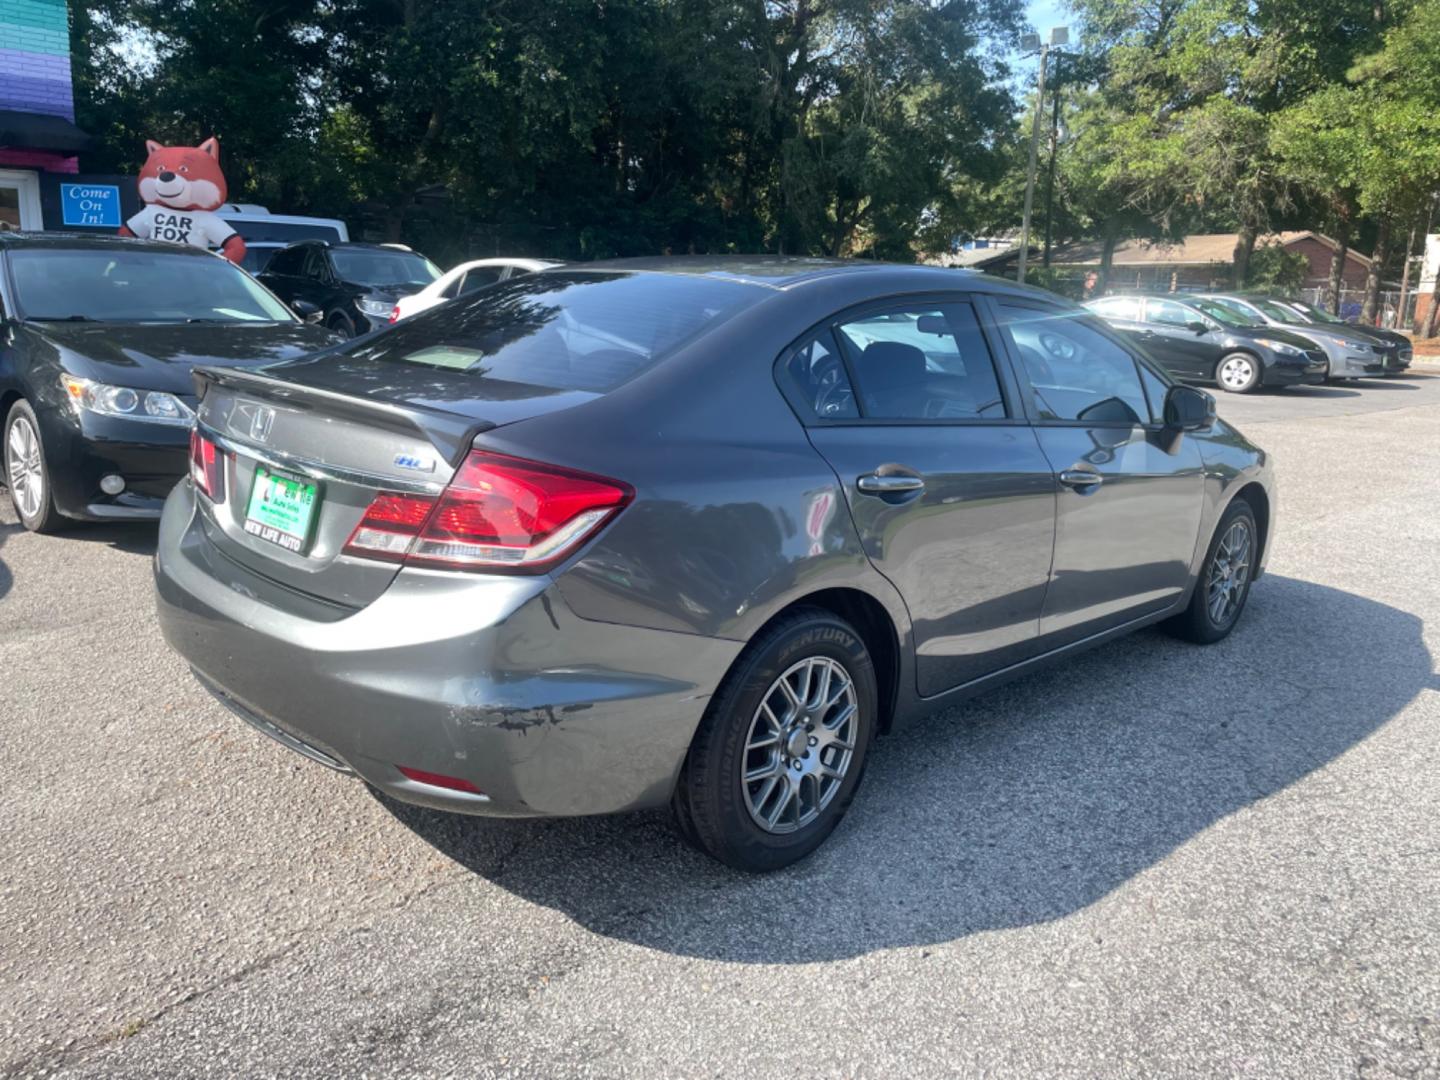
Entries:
{"x":1170,"y":337}
{"x":317,"y":282}
{"x":1125,"y":313}
{"x":952,"y":498}
{"x":1130,"y":492}
{"x":281,"y":273}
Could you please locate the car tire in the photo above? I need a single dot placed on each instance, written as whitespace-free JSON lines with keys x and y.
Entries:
{"x":341,"y":324}
{"x":806,"y":684}
{"x":1236,"y":541}
{"x":1238,"y":372}
{"x":27,"y":474}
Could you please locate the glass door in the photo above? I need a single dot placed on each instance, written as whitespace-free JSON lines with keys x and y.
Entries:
{"x":19,"y":199}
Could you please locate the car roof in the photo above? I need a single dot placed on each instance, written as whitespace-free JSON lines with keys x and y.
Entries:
{"x":346,"y":245}
{"x":65,"y":241}
{"x":787,"y":271}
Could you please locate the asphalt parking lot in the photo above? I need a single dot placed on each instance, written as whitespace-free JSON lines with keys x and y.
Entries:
{"x":1157,"y":861}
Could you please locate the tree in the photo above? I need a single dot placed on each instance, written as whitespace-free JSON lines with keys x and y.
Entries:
{"x":1274,"y":269}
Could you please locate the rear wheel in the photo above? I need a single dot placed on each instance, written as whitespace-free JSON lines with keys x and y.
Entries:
{"x":1225,"y":579}
{"x":1238,"y":372}
{"x":782,"y":747}
{"x":26,"y":473}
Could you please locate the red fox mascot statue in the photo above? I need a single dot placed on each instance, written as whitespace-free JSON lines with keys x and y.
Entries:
{"x":181,"y":187}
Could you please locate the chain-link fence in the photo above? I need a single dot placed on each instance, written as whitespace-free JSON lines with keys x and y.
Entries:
{"x":1352,"y":302}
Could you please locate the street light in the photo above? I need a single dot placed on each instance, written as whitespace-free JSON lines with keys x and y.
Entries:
{"x":1060,"y":35}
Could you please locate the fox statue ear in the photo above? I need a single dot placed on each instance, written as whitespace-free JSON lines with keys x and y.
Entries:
{"x":211,"y":146}
{"x":151,"y":146}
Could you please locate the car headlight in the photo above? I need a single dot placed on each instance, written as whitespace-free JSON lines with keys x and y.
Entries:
{"x":152,"y":406}
{"x":1282,"y":347}
{"x":379,"y":308}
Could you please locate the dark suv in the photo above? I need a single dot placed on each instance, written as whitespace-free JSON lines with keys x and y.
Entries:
{"x":1201,"y":341}
{"x":355,"y":286}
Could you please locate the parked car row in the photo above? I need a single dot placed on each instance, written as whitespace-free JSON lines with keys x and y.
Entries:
{"x":359,"y":287}
{"x":681,"y":531}
{"x":1242,"y":341}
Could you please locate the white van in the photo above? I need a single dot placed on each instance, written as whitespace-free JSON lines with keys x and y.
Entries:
{"x":265,"y":233}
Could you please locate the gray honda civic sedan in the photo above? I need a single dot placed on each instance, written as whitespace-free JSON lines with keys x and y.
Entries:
{"x":690,"y":531}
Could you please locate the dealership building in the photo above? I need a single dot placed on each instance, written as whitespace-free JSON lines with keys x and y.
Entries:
{"x":41,"y":150}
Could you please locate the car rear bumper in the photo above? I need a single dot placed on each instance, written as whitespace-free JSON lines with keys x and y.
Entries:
{"x":79,"y":451}
{"x":489,"y":679}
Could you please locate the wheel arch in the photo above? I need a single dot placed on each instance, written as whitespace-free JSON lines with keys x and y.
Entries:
{"x":1258,"y":498}
{"x":876,"y":628}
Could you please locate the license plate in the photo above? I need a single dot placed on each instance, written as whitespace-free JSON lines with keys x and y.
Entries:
{"x":281,"y":509}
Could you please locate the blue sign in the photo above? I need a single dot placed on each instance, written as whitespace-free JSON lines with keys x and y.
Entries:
{"x":90,"y":204}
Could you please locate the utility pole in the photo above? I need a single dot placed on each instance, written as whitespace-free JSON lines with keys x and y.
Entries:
{"x":1054,"y":152}
{"x":1058,"y":36}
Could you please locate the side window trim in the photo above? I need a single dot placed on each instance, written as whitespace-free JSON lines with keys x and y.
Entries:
{"x":1092,"y":322}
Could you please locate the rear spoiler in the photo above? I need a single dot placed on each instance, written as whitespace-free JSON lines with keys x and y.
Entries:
{"x":450,"y":434}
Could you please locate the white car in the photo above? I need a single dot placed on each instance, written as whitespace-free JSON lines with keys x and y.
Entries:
{"x":467,"y":277}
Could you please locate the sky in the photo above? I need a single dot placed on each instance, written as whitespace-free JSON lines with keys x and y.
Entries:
{"x":1044,"y":14}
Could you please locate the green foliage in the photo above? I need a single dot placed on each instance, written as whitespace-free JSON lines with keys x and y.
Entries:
{"x":1274,"y":269}
{"x":577,"y":128}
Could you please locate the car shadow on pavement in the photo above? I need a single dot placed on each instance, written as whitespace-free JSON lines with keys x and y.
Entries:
{"x":1329,"y":390}
{"x":1019,"y":807}
{"x":133,"y":538}
{"x":7,"y":530}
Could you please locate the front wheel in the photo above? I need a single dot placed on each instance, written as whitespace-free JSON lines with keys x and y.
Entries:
{"x":341,"y":324}
{"x":780,"y":752}
{"x":1225,"y":579}
{"x":1238,"y":373}
{"x":26,"y":472}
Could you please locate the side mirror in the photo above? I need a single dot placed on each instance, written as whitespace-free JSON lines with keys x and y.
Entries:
{"x":1188,"y":409}
{"x":308,"y":312}
{"x":1198,"y":327}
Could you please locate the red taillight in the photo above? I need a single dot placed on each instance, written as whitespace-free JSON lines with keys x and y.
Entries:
{"x":435,"y":779}
{"x":207,"y":466}
{"x":394,"y":314}
{"x":498,"y":513}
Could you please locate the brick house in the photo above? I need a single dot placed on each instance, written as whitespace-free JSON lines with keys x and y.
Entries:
{"x":1202,"y":261}
{"x":38,"y":136}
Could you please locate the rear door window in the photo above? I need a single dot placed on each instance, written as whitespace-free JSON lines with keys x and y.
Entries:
{"x":922,"y":362}
{"x":479,"y":277}
{"x":566,"y":330}
{"x":818,"y":378}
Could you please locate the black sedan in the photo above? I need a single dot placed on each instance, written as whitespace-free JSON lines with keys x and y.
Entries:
{"x":98,"y":341}
{"x":354,"y":285}
{"x":1199,"y":340}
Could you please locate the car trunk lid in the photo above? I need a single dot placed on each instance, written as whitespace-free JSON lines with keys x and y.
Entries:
{"x":350,"y":448}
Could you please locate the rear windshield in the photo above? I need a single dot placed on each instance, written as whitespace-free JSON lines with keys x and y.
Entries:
{"x":127,"y":285}
{"x":563,"y":330}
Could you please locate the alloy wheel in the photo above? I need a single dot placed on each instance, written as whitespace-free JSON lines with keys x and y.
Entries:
{"x":1229,"y":573}
{"x":24,"y":471}
{"x":800,"y":744}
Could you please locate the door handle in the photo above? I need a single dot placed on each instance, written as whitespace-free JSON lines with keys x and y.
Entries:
{"x":1081,"y":479}
{"x":878,"y":484}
